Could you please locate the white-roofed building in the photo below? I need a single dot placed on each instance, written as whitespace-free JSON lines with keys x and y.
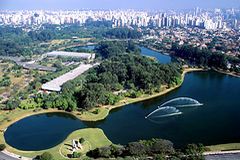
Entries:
{"x":87,"y":56}
{"x":55,"y":84}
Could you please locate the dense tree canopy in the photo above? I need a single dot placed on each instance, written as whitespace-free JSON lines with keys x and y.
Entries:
{"x":123,"y":33}
{"x":108,"y":49}
{"x":126,"y":71}
{"x":154,"y":148}
{"x":203,"y":57}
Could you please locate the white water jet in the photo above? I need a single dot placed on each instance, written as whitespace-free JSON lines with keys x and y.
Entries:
{"x":169,"y":108}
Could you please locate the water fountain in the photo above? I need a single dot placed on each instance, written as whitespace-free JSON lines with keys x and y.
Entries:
{"x":182,"y":102}
{"x":170,"y":108}
{"x":164,"y":112}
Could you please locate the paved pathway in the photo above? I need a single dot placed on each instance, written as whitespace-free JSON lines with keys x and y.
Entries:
{"x":223,"y":155}
{"x":228,"y":156}
{"x":5,"y":155}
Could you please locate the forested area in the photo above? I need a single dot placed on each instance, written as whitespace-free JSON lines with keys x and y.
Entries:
{"x":135,"y":74}
{"x":123,"y":72}
{"x":18,"y":42}
{"x":202,"y":57}
{"x":123,"y":33}
{"x":156,"y":148}
{"x":126,"y":72}
{"x":14,"y":41}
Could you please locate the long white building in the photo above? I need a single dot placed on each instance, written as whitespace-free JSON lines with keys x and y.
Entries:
{"x":55,"y":84}
{"x":87,"y":56}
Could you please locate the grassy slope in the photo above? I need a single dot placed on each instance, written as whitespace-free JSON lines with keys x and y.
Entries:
{"x":89,"y":116}
{"x":224,"y":147}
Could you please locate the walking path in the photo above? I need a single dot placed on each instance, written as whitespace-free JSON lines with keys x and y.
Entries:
{"x":5,"y":155}
{"x":221,"y":152}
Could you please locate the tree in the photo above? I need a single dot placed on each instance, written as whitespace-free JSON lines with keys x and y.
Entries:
{"x":12,"y":104}
{"x":28,"y":104}
{"x":194,"y":151}
{"x":104,"y":152}
{"x":162,"y":146}
{"x":38,"y":85}
{"x":81,"y":140}
{"x":76,"y":155}
{"x":46,"y":156}
{"x":2,"y":147}
{"x":136,"y":149}
{"x":108,"y":49}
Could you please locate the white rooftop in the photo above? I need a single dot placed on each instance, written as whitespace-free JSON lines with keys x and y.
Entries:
{"x":70,"y":54}
{"x":55,"y":84}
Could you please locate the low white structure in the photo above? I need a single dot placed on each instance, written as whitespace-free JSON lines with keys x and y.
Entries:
{"x":55,"y":84}
{"x":71,"y":54}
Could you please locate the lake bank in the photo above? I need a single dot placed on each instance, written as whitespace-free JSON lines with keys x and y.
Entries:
{"x":127,"y":101}
{"x":9,"y":117}
{"x":137,"y":107}
{"x":189,"y":91}
{"x":227,"y":73}
{"x":95,"y":138}
{"x":223,"y":147}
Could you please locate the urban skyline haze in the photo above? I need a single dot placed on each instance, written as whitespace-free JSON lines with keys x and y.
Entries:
{"x":113,"y":4}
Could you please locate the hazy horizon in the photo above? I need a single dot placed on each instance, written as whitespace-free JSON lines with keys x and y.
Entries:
{"x":113,"y":4}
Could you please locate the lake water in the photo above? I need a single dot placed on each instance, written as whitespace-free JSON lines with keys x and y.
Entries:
{"x":162,"y":58}
{"x":217,"y":121}
{"x":41,"y":131}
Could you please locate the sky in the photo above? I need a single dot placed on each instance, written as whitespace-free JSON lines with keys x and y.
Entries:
{"x":115,"y":4}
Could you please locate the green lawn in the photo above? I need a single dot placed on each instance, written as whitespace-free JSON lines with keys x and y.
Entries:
{"x":93,"y":136}
{"x":225,"y":147}
{"x":91,"y":116}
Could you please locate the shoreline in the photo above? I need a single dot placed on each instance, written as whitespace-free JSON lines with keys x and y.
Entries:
{"x":87,"y":133}
{"x":227,"y":73}
{"x":157,"y":50}
{"x":107,"y":108}
{"x":144,"y":98}
{"x":27,"y":113}
{"x":167,"y":53}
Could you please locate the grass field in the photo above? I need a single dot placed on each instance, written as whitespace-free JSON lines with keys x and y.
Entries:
{"x":225,"y":147}
{"x":93,"y":136}
{"x":91,"y":116}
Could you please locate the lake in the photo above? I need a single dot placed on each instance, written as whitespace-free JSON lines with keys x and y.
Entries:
{"x":215,"y":122}
{"x":41,"y":131}
{"x":160,"y":57}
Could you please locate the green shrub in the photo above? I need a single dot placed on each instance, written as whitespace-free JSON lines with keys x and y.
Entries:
{"x":2,"y":147}
{"x":76,"y":155}
{"x":81,"y":140}
{"x":46,"y":156}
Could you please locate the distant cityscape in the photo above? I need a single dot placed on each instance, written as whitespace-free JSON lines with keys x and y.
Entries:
{"x":206,"y":19}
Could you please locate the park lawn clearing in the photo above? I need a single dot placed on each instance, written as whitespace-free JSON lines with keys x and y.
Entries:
{"x":95,"y":138}
{"x":95,"y":114}
{"x":224,"y":147}
{"x":66,"y":148}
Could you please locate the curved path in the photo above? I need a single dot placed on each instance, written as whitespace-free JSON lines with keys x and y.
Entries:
{"x":223,"y":155}
{"x":5,"y":155}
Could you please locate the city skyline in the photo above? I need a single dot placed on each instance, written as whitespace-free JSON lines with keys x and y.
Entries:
{"x":111,"y":4}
